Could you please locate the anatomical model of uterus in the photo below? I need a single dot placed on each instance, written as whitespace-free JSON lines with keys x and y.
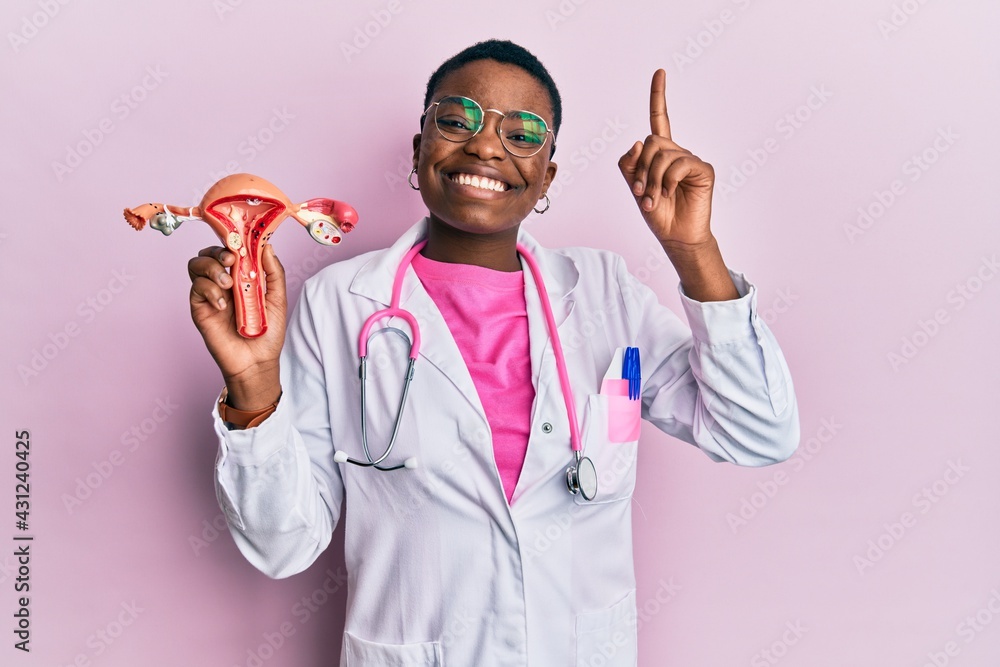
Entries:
{"x":244,"y":210}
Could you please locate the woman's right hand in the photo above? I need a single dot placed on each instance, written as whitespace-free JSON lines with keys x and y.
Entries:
{"x":249,"y":365}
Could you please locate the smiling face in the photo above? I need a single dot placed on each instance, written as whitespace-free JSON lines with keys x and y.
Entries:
{"x":508,"y":187}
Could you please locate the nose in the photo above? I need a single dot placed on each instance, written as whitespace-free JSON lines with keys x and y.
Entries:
{"x":487,"y":144}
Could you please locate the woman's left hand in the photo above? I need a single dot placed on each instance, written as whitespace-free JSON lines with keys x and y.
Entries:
{"x":672,"y":187}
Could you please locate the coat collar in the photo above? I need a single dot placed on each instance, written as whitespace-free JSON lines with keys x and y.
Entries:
{"x":374,"y":279}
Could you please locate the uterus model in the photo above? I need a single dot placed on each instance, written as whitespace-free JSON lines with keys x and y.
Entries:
{"x":244,"y":210}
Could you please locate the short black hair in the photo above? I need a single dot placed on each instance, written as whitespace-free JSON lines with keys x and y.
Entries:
{"x":502,"y":51}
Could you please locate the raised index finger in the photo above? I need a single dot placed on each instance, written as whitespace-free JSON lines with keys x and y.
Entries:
{"x":659,"y":122}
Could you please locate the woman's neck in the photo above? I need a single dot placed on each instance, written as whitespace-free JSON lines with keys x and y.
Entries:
{"x":454,"y":246}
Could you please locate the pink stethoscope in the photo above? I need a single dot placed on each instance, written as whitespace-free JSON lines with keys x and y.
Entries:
{"x":581,"y":476}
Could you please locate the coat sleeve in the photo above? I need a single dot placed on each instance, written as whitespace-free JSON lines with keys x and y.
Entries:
{"x":722,"y":384}
{"x":277,"y":483}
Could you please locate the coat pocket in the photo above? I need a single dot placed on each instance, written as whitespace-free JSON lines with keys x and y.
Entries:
{"x":608,"y":637}
{"x":363,"y":653}
{"x":614,"y":460}
{"x":624,"y":413}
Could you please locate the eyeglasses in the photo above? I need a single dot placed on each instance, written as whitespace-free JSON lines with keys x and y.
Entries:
{"x":459,"y":119}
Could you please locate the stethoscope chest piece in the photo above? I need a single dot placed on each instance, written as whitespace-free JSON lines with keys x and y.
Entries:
{"x":582,"y":478}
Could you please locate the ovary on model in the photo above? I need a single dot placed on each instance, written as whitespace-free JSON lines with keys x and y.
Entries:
{"x":244,"y":210}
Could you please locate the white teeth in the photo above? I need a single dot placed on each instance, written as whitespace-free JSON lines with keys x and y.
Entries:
{"x":481,"y":182}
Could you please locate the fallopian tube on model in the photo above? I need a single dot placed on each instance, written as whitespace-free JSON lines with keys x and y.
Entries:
{"x":244,"y":210}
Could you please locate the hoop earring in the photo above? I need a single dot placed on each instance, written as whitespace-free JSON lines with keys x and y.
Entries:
{"x":412,"y":172}
{"x":547,"y":204}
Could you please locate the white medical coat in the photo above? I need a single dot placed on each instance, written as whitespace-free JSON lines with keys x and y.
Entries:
{"x":441,"y":569}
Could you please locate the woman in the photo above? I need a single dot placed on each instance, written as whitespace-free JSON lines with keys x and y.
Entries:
{"x":481,"y":552}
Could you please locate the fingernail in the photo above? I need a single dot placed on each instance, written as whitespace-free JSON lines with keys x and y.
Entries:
{"x":637,"y":188}
{"x":647,"y":203}
{"x":225,"y":280}
{"x":220,"y":304}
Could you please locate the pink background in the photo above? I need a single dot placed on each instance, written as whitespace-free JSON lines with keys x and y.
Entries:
{"x":714,"y":588}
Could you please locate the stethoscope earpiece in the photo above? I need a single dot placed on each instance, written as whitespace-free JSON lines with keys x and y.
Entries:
{"x":342,"y":457}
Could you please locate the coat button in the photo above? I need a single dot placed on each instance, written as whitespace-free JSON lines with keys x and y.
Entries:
{"x":546,"y":428}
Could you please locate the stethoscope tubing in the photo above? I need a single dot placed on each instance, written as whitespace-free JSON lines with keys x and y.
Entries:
{"x":394,"y":310}
{"x":557,"y":349}
{"x":364,"y":337}
{"x":362,"y":371}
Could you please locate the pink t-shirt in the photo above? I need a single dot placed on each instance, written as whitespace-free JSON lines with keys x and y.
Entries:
{"x":486,"y":314}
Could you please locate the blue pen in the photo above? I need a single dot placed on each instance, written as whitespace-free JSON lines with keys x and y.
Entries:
{"x":632,"y":371}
